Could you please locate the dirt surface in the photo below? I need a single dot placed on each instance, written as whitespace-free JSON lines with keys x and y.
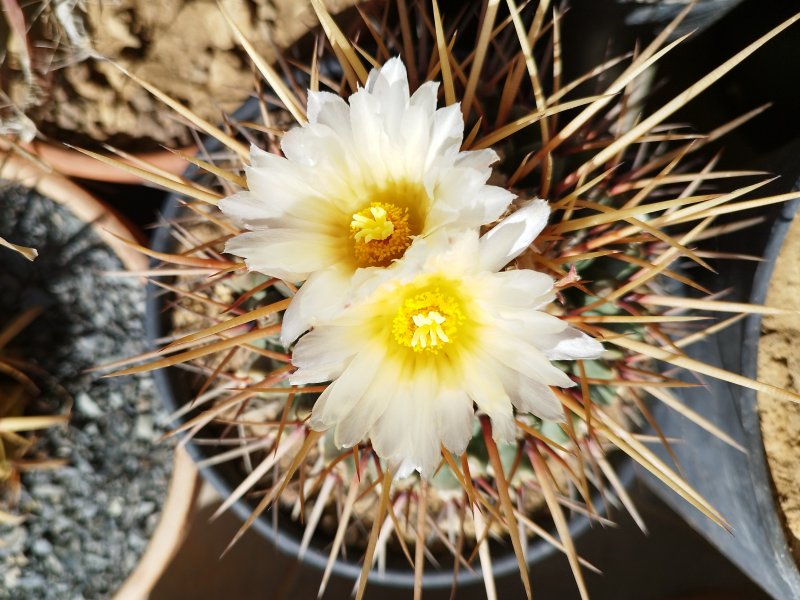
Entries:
{"x":183,"y":47}
{"x":779,"y":364}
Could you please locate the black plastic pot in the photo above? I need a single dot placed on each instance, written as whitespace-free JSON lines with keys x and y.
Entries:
{"x":175,"y":390}
{"x":738,"y":485}
{"x":657,"y":13}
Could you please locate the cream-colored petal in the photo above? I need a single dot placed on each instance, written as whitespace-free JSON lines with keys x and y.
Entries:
{"x":246,"y":206}
{"x":322,"y":354}
{"x":355,"y":426}
{"x":391,"y":74}
{"x":524,"y":358}
{"x":407,"y":432}
{"x":255,"y":212}
{"x":454,"y":415}
{"x":323,"y":153}
{"x":318,"y":299}
{"x":530,"y":326}
{"x":447,"y":132}
{"x":278,"y":182}
{"x":327,"y":108}
{"x":285,"y":253}
{"x":369,"y":140}
{"x":486,"y":389}
{"x":343,"y":393}
{"x":415,"y":136}
{"x":530,"y":396}
{"x":513,"y":235}
{"x":521,"y":289}
{"x":426,"y":97}
{"x":570,"y":344}
{"x":482,"y":160}
{"x":461,"y":198}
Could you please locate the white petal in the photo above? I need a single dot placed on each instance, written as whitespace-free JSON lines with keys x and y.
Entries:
{"x":323,"y":354}
{"x":369,"y":137}
{"x":570,"y":344}
{"x":517,"y":289}
{"x":426,"y":97}
{"x":461,"y":197}
{"x":414,"y":133}
{"x":532,"y":326}
{"x":280,"y":185}
{"x":486,"y":389}
{"x":504,"y":429}
{"x":246,"y":206}
{"x":285,"y":253}
{"x":511,"y":236}
{"x":341,"y":396}
{"x":404,"y":469}
{"x":447,"y":132}
{"x":355,"y":426}
{"x":454,"y":416}
{"x":406,"y":432}
{"x":392,"y":72}
{"x":524,"y":358}
{"x":480,"y":160}
{"x":256,"y":212}
{"x":322,"y":150}
{"x":320,"y":297}
{"x":448,"y":251}
{"x":327,"y":108}
{"x":531,"y":396}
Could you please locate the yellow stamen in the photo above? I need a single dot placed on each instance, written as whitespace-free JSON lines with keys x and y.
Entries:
{"x":381,"y":233}
{"x":427,"y":321}
{"x":429,"y":329}
{"x":375,"y":227}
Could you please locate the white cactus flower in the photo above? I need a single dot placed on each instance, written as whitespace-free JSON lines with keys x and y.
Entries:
{"x":442,"y":330}
{"x":358,"y":184}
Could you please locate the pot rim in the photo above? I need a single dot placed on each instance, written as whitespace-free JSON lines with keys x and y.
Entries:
{"x":747,"y":401}
{"x":169,"y":534}
{"x":112,"y":228}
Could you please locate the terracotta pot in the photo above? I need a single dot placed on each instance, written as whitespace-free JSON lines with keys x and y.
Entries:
{"x":176,"y":515}
{"x":72,"y":163}
{"x":178,"y":506}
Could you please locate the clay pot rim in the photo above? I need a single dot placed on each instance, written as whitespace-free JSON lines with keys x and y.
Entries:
{"x":71,"y":163}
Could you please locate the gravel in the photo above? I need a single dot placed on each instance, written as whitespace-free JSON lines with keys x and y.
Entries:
{"x":88,"y":522}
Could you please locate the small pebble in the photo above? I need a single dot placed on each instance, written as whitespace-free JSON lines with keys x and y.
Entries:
{"x":42,"y":547}
{"x":145,"y":427}
{"x":87,"y":406}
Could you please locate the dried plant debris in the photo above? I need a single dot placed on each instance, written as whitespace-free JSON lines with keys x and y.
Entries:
{"x":19,"y":420}
{"x":51,"y":87}
{"x":88,"y":521}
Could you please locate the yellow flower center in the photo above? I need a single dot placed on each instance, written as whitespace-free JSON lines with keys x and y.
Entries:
{"x":381,"y":234}
{"x":371,"y":226}
{"x":427,"y":321}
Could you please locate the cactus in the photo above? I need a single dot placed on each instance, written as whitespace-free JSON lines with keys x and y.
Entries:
{"x":631,"y":200}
